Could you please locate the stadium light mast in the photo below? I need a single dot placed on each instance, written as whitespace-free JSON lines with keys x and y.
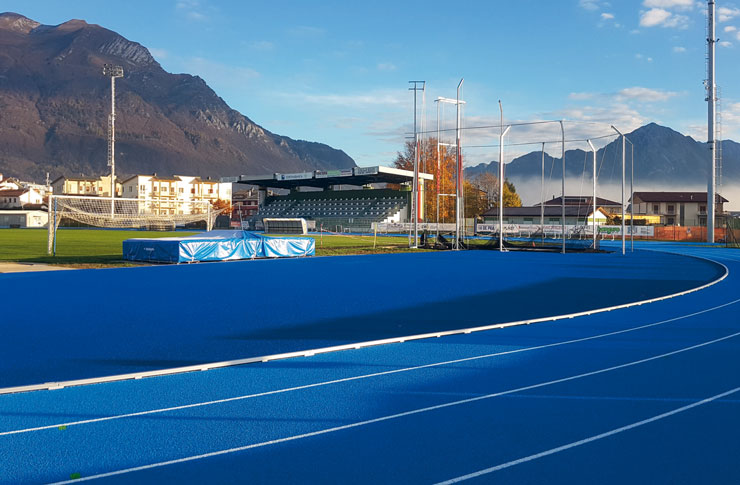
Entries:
{"x":711,"y":119}
{"x":415,"y":189}
{"x":562,"y":190}
{"x":113,"y":72}
{"x":501,"y":178}
{"x":593,"y":214}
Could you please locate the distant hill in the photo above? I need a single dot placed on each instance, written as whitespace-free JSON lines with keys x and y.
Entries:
{"x":662,"y":157}
{"x":54,"y":104}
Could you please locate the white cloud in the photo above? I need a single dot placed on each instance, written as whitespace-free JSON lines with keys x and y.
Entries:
{"x":262,"y":45}
{"x":386,"y":66}
{"x":379,"y":98}
{"x":639,"y":93}
{"x":607,"y":16}
{"x":158,"y":53}
{"x":730,"y":28}
{"x":725,"y":43}
{"x":589,"y":4}
{"x":677,"y":4}
{"x":645,"y":58}
{"x":307,"y":31}
{"x":221,"y":75}
{"x":726,"y":14}
{"x":192,"y":9}
{"x":679,"y":49}
{"x":658,"y":17}
{"x":581,"y":96}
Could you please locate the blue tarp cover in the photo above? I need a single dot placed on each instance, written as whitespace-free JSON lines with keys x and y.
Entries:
{"x":217,"y":246}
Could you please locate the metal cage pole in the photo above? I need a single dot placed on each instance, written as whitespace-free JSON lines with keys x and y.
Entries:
{"x":562,"y":191}
{"x":459,"y":213}
{"x":113,"y":72}
{"x":632,"y":197}
{"x":501,"y":178}
{"x":542,"y":196}
{"x":624,"y":238}
{"x":593,"y":214}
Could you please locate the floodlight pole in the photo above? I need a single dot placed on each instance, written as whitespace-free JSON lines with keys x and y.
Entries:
{"x":623,"y":160}
{"x":113,"y":72}
{"x":593,"y":214}
{"x":711,"y":119}
{"x":562,"y":200}
{"x":501,"y":179}
{"x":460,"y":212}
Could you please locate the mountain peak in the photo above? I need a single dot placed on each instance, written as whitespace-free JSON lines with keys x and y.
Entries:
{"x":17,"y":23}
{"x":74,"y":24}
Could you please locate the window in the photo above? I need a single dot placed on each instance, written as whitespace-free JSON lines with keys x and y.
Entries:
{"x":210,"y":191}
{"x":192,"y":191}
{"x":182,"y":190}
{"x":670,"y":220}
{"x":142,"y":188}
{"x":155,"y":188}
{"x":130,"y":188}
{"x":528,"y":220}
{"x":671,"y":208}
{"x":656,"y":208}
{"x":702,"y":208}
{"x":554,"y":220}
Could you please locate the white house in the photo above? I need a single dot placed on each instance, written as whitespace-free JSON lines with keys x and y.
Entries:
{"x":19,"y":198}
{"x":171,"y":194}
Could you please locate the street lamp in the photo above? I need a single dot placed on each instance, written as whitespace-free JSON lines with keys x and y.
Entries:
{"x":113,"y":72}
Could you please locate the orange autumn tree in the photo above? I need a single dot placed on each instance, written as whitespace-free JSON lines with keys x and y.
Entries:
{"x":481,"y":193}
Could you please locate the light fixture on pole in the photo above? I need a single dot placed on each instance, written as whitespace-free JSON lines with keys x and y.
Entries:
{"x":113,"y":72}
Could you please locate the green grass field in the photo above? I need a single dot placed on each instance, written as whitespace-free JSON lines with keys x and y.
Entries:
{"x":102,"y":248}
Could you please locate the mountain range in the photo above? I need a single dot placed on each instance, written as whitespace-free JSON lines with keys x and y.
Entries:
{"x":662,"y":157}
{"x":55,"y":101}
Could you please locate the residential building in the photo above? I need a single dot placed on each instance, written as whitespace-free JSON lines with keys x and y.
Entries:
{"x":9,"y":183}
{"x":676,"y":208}
{"x":169,"y":195}
{"x":20,"y":198}
{"x":87,"y":186}
{"x":574,"y":215}
{"x":606,"y":205}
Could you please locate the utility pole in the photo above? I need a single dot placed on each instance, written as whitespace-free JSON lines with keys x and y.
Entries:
{"x":503,"y":133}
{"x":113,"y":72}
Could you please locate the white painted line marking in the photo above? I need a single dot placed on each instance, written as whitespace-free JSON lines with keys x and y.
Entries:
{"x":364,"y":376}
{"x":403,"y":414}
{"x":591,"y":439}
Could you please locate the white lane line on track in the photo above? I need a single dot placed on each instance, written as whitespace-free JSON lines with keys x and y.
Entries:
{"x":399,"y":415}
{"x":376,"y":374}
{"x":360,"y":377}
{"x":591,"y":439}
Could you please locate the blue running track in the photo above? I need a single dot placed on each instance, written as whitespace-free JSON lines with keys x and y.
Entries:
{"x":644,"y":394}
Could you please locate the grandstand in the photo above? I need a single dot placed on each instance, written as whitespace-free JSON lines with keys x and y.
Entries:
{"x":349,"y":210}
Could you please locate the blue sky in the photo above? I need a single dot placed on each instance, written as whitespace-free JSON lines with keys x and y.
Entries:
{"x":338,"y":72}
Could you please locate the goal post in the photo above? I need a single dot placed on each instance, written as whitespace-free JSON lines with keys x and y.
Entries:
{"x":126,"y":213}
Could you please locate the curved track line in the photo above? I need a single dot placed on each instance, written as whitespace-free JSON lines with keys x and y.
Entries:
{"x":400,"y":415}
{"x":360,"y":377}
{"x":590,"y":439}
{"x":353,"y":346}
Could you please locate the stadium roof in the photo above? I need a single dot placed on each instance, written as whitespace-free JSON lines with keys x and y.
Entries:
{"x":581,"y":200}
{"x":325,"y":178}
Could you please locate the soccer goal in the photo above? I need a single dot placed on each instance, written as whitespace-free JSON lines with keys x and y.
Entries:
{"x":123,"y":213}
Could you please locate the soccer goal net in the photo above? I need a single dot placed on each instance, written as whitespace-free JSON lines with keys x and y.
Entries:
{"x":125,"y":213}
